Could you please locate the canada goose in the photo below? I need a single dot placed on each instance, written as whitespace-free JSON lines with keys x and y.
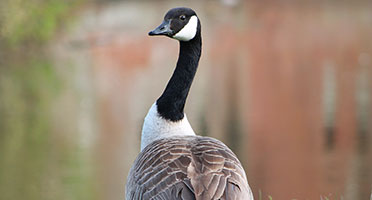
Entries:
{"x":174,"y":163}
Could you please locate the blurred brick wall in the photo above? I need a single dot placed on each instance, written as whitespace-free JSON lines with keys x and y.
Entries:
{"x":260,"y":89}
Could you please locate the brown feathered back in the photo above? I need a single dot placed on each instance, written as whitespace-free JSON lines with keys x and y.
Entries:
{"x":187,"y":167}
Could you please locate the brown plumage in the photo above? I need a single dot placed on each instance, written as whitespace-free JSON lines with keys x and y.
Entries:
{"x":187,"y":167}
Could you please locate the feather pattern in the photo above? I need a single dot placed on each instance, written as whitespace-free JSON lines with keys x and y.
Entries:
{"x":187,"y":167}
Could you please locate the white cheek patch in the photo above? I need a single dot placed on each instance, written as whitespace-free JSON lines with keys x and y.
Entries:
{"x":188,"y":32}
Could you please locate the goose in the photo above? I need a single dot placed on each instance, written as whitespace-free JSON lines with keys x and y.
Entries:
{"x":174,"y":162}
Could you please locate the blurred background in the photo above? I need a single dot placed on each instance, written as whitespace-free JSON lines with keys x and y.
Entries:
{"x":286,"y":84}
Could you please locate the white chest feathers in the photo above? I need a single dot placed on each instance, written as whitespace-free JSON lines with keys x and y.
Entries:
{"x":188,"y":32}
{"x":155,"y":127}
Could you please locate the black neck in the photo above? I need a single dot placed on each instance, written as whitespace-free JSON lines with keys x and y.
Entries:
{"x":172,"y":102}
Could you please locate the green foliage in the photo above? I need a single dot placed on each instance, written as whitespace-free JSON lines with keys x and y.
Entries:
{"x":26,"y":93}
{"x":32,"y":165}
{"x":24,"y":21}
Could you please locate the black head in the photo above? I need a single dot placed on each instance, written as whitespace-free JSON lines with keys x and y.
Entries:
{"x":179,"y":23}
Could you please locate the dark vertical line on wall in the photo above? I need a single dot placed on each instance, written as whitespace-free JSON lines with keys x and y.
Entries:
{"x":203,"y":127}
{"x":329,"y":105}
{"x":233,"y":125}
{"x":363,"y":108}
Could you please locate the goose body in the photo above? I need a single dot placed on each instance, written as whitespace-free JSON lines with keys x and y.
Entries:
{"x":175,"y":163}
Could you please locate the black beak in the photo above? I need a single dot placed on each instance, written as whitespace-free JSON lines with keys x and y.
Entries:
{"x":163,"y":29}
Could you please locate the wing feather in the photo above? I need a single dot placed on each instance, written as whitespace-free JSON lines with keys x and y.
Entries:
{"x":187,"y":167}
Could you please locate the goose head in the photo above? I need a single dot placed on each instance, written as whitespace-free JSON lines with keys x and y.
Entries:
{"x":179,"y":23}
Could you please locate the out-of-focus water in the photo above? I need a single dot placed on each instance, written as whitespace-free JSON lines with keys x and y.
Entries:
{"x":286,"y":85}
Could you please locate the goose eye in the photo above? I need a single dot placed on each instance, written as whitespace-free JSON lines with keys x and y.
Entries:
{"x":182,"y":17}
